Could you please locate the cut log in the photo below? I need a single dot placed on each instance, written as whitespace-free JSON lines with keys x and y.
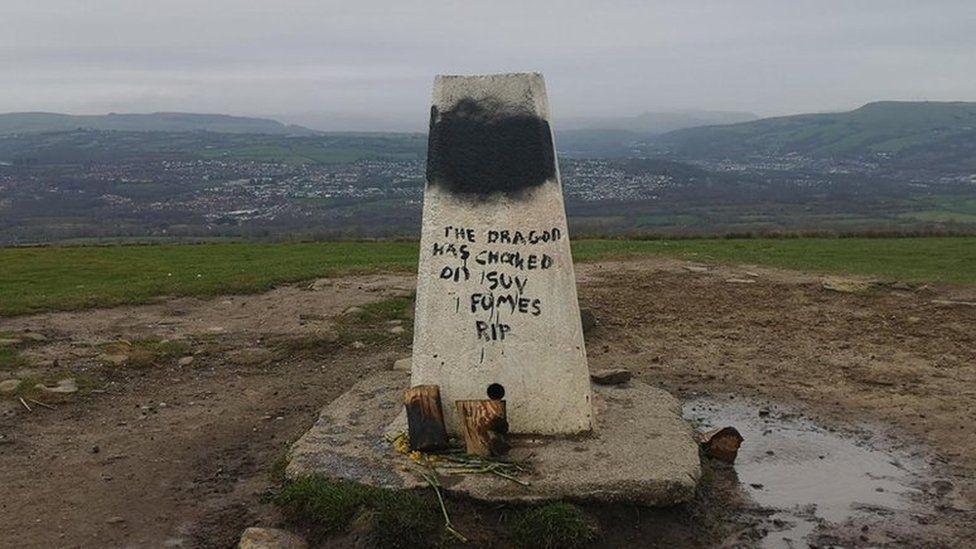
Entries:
{"x":485,"y":426}
{"x":721,"y":444}
{"x":425,"y":418}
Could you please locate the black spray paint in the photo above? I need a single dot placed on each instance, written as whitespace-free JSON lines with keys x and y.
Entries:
{"x":479,"y":148}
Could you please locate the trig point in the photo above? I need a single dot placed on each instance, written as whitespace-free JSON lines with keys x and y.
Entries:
{"x":497,"y":314}
{"x":498,"y":346}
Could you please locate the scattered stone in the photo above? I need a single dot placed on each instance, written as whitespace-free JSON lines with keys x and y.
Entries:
{"x":95,"y":449}
{"x":845,"y":286}
{"x":328,"y":335}
{"x":9,"y":342}
{"x":740,"y":281}
{"x":722,"y":444}
{"x":588,"y":319}
{"x":185,"y":361}
{"x":901,"y":286}
{"x":696,"y":268}
{"x":358,"y":345}
{"x":752,"y":274}
{"x":270,"y":538}
{"x":33,"y":336}
{"x":397,"y":330}
{"x":403,"y":364}
{"x":942,"y":487}
{"x":64,"y":387}
{"x":114,"y":359}
{"x":115,"y":520}
{"x":612,"y":376}
{"x":9,"y":385}
{"x":953,"y":302}
{"x":311,"y":317}
{"x":353,"y":311}
{"x":253,"y":356}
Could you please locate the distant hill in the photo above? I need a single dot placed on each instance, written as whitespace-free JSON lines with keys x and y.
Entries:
{"x":906,"y":132}
{"x":41,"y":122}
{"x":656,"y":122}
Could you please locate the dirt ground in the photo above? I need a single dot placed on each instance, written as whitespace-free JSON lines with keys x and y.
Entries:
{"x":179,"y":454}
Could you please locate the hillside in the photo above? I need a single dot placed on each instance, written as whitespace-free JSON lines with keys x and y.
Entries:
{"x":41,"y":122}
{"x":904,"y":131}
{"x":657,"y":122}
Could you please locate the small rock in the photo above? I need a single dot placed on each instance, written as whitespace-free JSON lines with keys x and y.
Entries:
{"x":358,"y":345}
{"x":404,"y":364}
{"x":845,"y":286}
{"x":95,"y":449}
{"x":721,"y":444}
{"x":185,"y":361}
{"x":328,"y":335}
{"x":114,"y":360}
{"x":953,"y":303}
{"x":33,"y":336}
{"x":942,"y":487}
{"x":901,"y":286}
{"x":588,"y":319}
{"x":740,"y":281}
{"x":9,"y":342}
{"x":397,"y":330}
{"x":9,"y":385}
{"x":270,"y":538}
{"x":64,"y":387}
{"x":696,"y":268}
{"x":353,"y":311}
{"x":115,"y":520}
{"x":613,"y":376}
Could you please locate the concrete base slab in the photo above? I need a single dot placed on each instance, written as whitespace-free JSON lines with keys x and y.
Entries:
{"x":641,"y":450}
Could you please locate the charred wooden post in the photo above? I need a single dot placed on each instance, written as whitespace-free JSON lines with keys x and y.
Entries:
{"x":721,"y":444}
{"x":425,"y":418}
{"x":485,"y":425}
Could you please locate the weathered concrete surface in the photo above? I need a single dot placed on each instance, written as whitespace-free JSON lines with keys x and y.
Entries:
{"x":493,"y":188}
{"x":640,"y":451}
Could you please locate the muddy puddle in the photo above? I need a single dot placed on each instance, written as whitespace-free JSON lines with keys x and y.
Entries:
{"x":818,"y":485}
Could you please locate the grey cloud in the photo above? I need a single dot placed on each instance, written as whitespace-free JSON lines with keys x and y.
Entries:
{"x":376,"y":60}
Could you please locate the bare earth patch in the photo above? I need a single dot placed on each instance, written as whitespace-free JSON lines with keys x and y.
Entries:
{"x":175,"y":451}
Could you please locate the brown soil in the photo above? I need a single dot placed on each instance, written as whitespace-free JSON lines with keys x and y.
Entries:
{"x":180,"y":456}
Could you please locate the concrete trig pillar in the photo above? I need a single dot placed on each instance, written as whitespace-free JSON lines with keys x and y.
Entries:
{"x":497,"y":313}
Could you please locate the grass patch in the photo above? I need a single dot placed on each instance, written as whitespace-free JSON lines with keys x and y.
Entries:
{"x":551,"y":526}
{"x":144,"y":353}
{"x":384,"y":518}
{"x":10,"y":359}
{"x":929,"y":259}
{"x":65,"y":278}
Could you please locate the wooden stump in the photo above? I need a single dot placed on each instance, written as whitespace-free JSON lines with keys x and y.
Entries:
{"x":721,"y":444}
{"x":484,"y":425}
{"x":425,"y":418}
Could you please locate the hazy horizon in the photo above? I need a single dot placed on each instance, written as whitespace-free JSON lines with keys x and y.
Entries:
{"x":371,"y":65}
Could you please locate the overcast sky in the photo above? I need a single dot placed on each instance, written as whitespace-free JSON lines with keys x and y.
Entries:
{"x":361,"y":59}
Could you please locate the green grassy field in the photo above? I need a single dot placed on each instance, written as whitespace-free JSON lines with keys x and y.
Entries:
{"x":60,"y":278}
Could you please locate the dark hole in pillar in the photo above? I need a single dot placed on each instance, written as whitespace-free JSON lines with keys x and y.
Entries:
{"x":496,"y":391}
